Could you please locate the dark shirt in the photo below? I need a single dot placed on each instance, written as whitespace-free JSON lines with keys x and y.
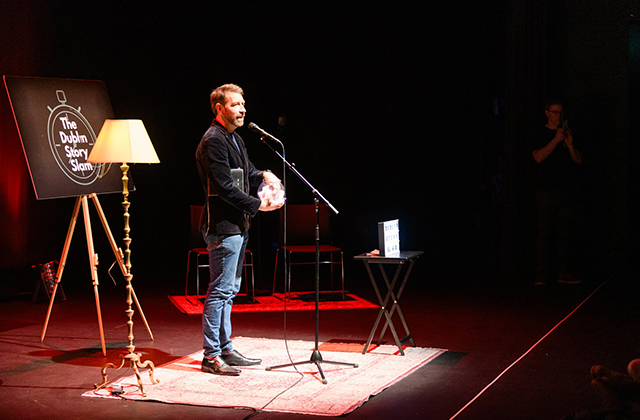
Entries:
{"x":558,"y":172}
{"x":228,"y":209}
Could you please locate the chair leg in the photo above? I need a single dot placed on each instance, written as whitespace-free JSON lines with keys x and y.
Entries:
{"x":287,"y":272}
{"x":253,"y":280}
{"x":342,"y":267}
{"x":244,"y":267}
{"x":198,"y":279}
{"x":253,"y":276}
{"x":341,"y":272}
{"x":331,"y":265}
{"x":275,"y":272}
{"x":287,"y":263}
{"x":186,"y":285}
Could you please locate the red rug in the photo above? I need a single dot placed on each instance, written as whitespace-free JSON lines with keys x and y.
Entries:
{"x":298,"y":302}
{"x":283,"y":390}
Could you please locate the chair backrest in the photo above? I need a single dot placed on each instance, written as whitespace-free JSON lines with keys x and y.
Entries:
{"x":195,"y":235}
{"x":301,"y":224}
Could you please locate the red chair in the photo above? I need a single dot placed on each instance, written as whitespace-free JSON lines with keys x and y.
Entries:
{"x":301,"y":228}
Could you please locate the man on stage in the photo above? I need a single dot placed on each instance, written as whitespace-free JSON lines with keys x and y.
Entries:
{"x":225,"y":223}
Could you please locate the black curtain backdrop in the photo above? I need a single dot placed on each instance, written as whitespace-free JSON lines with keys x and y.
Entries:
{"x":415,"y":111}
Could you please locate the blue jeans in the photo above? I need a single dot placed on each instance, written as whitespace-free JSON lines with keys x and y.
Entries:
{"x":226,"y":259}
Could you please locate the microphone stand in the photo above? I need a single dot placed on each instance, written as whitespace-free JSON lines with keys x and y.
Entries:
{"x":316,"y":356}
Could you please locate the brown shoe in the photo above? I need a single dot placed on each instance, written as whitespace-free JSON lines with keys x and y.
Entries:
{"x":236,"y":359}
{"x":218,"y":367}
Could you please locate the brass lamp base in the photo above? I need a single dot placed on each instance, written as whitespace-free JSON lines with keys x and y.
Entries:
{"x":132,"y":358}
{"x":133,"y":362}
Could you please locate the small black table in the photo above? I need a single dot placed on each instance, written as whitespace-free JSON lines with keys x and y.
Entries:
{"x":400,"y":259}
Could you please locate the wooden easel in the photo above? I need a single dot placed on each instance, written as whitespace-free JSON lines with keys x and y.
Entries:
{"x":93,"y":261}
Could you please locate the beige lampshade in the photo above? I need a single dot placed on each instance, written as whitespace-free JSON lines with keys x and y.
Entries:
{"x":123,"y":141}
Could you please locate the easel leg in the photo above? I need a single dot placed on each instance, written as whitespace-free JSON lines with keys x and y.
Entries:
{"x":63,"y":261}
{"x":118,"y":253}
{"x":144,"y":320}
{"x":93,"y":261}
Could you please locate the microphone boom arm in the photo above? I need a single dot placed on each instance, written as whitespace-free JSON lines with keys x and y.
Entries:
{"x":292,"y":167}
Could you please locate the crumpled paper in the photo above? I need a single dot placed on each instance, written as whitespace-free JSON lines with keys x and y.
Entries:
{"x":272,"y":193}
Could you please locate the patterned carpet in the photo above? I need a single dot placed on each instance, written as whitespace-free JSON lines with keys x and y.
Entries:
{"x":284,"y":389}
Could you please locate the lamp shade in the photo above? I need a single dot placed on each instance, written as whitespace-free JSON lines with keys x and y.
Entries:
{"x":123,"y":141}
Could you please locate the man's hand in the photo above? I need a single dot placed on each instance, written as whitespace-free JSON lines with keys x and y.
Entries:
{"x":268,"y":205}
{"x":269,"y":200}
{"x":568,"y":139}
{"x":560,"y":136}
{"x":270,"y":178}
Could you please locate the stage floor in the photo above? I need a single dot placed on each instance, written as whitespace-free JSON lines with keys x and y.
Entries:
{"x":486,"y":326}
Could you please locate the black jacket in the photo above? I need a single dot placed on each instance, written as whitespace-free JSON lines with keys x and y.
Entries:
{"x":228,"y":210}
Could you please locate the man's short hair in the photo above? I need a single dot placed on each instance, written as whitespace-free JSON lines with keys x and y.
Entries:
{"x":218,"y":95}
{"x":552,"y":101}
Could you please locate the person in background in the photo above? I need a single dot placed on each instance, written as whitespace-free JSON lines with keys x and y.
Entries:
{"x":556,"y":170}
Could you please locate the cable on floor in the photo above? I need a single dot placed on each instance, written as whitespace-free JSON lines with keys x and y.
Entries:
{"x":525,"y":353}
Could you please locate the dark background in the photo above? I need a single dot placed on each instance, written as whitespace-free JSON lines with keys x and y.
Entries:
{"x":417,"y":111}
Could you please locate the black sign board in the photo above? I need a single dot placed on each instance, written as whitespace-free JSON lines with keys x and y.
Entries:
{"x":58,"y":121}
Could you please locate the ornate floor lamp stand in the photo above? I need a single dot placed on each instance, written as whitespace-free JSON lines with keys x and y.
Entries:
{"x":133,"y":131}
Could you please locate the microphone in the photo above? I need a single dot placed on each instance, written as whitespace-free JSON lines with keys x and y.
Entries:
{"x":254,"y":127}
